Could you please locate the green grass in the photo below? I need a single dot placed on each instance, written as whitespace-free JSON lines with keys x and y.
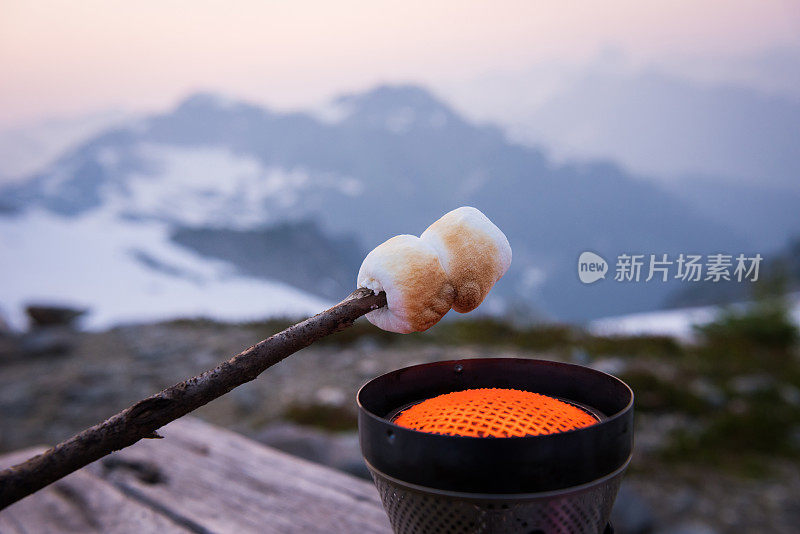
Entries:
{"x":738,"y":431}
{"x":478,"y":331}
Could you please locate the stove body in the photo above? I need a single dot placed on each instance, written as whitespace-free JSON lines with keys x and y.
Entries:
{"x":554,"y":483}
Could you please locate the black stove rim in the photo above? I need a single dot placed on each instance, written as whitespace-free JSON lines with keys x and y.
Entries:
{"x":513,"y":465}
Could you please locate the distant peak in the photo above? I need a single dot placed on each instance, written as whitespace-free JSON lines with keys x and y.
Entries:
{"x":208,"y":100}
{"x":398,"y":108}
{"x":394,"y":95}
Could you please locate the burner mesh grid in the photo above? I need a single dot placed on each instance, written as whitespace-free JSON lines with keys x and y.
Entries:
{"x":493,"y":412}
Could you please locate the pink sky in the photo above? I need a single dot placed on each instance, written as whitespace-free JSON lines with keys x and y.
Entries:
{"x":65,"y":58}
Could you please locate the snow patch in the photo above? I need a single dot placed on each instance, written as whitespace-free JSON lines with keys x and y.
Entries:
{"x":86,"y":261}
{"x":209,"y":186}
{"x":677,"y":323}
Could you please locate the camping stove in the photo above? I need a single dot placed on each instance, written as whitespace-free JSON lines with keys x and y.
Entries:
{"x":556,"y":482}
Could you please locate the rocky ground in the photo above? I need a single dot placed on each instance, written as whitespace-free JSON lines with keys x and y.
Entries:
{"x":55,"y":381}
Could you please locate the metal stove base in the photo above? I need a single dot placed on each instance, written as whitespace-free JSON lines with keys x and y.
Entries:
{"x":417,"y":510}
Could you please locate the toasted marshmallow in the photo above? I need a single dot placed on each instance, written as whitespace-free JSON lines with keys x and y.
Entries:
{"x":473,"y":252}
{"x":418,"y":291}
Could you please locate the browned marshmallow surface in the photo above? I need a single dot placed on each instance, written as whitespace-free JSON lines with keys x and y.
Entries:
{"x":473,"y":252}
{"x":418,"y":291}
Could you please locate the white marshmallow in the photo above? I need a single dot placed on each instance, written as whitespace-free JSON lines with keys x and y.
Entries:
{"x":417,"y":289}
{"x":454,"y":264}
{"x":473,"y":252}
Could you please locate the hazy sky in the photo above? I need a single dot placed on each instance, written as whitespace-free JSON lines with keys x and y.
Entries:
{"x":62,"y":58}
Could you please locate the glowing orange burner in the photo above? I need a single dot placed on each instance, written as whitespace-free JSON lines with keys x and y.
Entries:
{"x":492,"y":412}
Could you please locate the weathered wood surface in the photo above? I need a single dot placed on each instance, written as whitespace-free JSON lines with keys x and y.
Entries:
{"x":80,"y":502}
{"x":200,"y":478}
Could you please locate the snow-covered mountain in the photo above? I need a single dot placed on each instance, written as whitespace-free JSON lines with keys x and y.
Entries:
{"x":678,"y":323}
{"x":24,"y":149}
{"x":206,"y":203}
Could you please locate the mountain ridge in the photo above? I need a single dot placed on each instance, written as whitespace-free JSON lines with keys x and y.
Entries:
{"x":394,"y":160}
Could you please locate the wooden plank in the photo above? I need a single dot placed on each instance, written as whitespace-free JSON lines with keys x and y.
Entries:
{"x":218,"y":481}
{"x":80,"y":502}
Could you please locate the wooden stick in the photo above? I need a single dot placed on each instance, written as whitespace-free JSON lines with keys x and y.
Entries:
{"x":146,"y":416}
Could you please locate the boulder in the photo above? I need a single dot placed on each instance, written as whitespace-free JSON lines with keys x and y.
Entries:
{"x":42,"y":315}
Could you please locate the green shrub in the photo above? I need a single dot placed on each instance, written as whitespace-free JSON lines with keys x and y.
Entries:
{"x":643,"y":345}
{"x":766,"y":324}
{"x":653,"y":394}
